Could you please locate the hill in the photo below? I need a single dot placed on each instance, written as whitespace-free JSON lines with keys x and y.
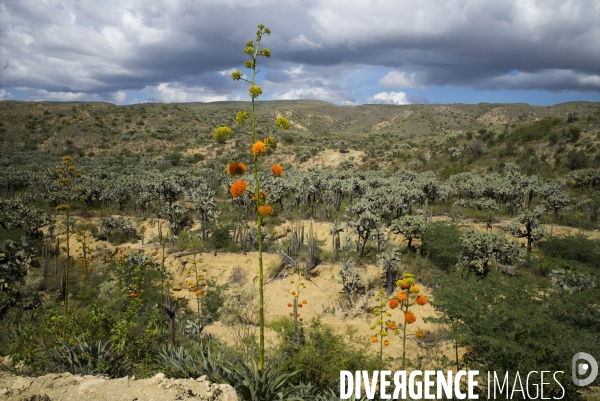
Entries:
{"x":391,"y":136}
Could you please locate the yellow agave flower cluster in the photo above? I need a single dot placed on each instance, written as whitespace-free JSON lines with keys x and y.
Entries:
{"x":382,"y":322}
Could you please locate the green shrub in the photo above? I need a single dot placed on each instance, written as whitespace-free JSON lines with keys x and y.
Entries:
{"x":515,"y":324}
{"x":441,"y":241}
{"x":320,"y":354}
{"x":288,"y":138}
{"x":88,"y":226}
{"x":220,"y":237}
{"x":577,"y":159}
{"x":573,"y":247}
{"x":212,"y":300}
{"x":534,"y":131}
{"x":118,"y":230}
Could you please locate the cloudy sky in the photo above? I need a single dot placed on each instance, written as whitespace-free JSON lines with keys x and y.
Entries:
{"x":346,"y":52}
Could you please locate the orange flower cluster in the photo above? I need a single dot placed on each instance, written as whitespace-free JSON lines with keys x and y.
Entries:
{"x":238,"y":188}
{"x":421,"y":300}
{"x":410,"y":317}
{"x":258,"y":148}
{"x":401,"y":296}
{"x":235,"y":169}
{"x":277,"y":170}
{"x":394,"y":303}
{"x":265,"y":211}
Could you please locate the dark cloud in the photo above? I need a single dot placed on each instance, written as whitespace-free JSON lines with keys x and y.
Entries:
{"x":177,"y":49}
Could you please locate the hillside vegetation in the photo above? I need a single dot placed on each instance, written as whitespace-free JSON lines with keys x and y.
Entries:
{"x":126,"y":250}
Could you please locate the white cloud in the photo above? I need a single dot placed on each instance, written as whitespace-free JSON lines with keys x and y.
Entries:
{"x":120,"y":97}
{"x":5,"y":95}
{"x":399,"y":79}
{"x":295,"y":71}
{"x":389,"y":98}
{"x":178,"y":93}
{"x":227,"y":72}
{"x":333,"y":95}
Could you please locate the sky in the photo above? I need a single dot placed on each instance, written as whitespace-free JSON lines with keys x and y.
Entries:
{"x":540,"y":52}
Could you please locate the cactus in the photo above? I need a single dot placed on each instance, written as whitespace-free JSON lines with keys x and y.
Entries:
{"x":352,"y":281}
{"x":335,"y":231}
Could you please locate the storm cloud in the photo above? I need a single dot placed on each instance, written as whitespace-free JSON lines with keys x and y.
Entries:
{"x":346,"y":52}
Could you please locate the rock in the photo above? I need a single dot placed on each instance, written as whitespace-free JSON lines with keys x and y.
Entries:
{"x":65,"y":386}
{"x":227,"y":393}
{"x":85,"y":386}
{"x":22,"y":383}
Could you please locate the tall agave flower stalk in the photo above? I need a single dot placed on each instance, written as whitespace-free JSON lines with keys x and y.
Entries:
{"x":259,"y":148}
{"x":67,"y":174}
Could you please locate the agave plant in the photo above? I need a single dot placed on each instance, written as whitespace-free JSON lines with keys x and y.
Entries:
{"x":185,"y":364}
{"x":267,"y":384}
{"x":91,"y":359}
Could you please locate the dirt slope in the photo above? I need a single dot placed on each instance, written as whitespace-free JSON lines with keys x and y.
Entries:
{"x":65,"y":386}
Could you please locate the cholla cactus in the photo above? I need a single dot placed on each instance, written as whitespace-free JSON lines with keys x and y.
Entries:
{"x":352,"y":281}
{"x":533,"y":230}
{"x":335,"y":231}
{"x":453,"y":152}
{"x":259,"y":149}
{"x":177,"y":215}
{"x":483,"y":249}
{"x":554,"y":196}
{"x":387,"y":260}
{"x":365,"y":223}
{"x":410,"y":226}
{"x":204,"y":204}
{"x":117,"y":229}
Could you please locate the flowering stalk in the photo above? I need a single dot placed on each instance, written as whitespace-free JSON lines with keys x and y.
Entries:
{"x":66,"y":175}
{"x":200,"y":284}
{"x":258,"y":149}
{"x":295,"y":301}
{"x":85,"y":257}
{"x":408,"y":289}
{"x":381,"y":313}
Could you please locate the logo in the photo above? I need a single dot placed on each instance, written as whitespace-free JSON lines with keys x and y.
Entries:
{"x":582,"y":368}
